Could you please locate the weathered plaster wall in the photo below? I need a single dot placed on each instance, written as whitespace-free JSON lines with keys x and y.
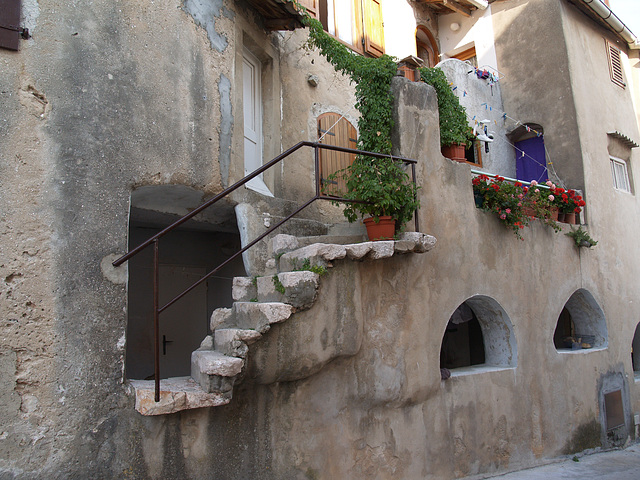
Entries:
{"x":608,"y":209}
{"x":483,"y":101}
{"x":537,"y":83}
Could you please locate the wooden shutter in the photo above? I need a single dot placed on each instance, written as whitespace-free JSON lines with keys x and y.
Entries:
{"x":9,"y":24}
{"x":615,"y":65}
{"x":373,"y":27}
{"x":335,"y":130}
{"x":311,"y":6}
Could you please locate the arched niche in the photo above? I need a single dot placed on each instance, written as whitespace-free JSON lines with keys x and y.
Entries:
{"x":581,"y":324}
{"x":635,"y":352}
{"x":479,"y":335}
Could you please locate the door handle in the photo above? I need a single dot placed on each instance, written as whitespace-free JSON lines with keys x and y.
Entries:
{"x":164,"y":344}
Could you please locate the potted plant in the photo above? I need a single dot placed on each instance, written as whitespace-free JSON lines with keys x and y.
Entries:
{"x":539,"y":202}
{"x":581,"y":238}
{"x":504,"y":199}
{"x":455,"y":131}
{"x":569,"y":203}
{"x":382,"y":193}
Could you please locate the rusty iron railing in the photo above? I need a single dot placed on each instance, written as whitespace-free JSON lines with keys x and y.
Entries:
{"x":154,"y":240}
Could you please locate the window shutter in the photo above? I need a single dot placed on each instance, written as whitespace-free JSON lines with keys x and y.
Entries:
{"x":311,"y":6}
{"x":615,"y":65}
{"x":373,"y":27}
{"x":337,"y":131}
{"x":9,"y":24}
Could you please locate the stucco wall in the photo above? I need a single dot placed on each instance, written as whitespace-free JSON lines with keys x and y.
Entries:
{"x":537,"y":83}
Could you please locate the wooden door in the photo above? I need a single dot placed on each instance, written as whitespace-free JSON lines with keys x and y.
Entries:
{"x":335,"y":130}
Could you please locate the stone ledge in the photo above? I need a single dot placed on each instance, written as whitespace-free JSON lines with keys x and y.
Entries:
{"x":176,"y":394}
{"x":323,"y":254}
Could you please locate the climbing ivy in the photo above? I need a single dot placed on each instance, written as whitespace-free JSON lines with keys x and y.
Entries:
{"x":372,"y":77}
{"x":454,"y":127}
{"x":381,"y":185}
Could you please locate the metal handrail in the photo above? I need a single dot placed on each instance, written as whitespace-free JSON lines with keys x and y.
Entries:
{"x":154,"y":240}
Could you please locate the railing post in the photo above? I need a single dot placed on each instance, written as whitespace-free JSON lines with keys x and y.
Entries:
{"x":317,"y":167}
{"x":156,"y":315}
{"x":415,"y":214}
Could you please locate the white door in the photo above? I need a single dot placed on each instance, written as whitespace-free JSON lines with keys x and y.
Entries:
{"x":252,"y":108}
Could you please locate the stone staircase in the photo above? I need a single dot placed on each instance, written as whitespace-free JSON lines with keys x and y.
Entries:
{"x":259,"y":302}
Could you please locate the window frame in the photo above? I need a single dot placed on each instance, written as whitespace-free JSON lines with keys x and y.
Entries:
{"x":366,"y":19}
{"x":616,"y":161}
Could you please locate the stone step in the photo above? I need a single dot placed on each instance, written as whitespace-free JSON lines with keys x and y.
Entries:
{"x":214,"y":371}
{"x":220,"y":316}
{"x":257,"y":316}
{"x":298,"y":289}
{"x":234,"y":342}
{"x":176,"y":394}
{"x":244,"y":289}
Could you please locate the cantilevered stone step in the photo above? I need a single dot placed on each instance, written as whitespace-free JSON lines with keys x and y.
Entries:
{"x":176,"y":394}
{"x":220,"y":316}
{"x":234,"y":341}
{"x":300,"y":288}
{"x":244,"y":289}
{"x":214,"y":371}
{"x":257,"y":316}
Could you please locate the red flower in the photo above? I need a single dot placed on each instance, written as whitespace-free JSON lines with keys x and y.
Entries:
{"x":495,"y":187}
{"x":517,"y":184}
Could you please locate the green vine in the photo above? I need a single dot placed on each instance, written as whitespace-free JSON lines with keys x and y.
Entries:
{"x":372,"y":77}
{"x":381,"y":185}
{"x":278,"y":284}
{"x":454,"y":127}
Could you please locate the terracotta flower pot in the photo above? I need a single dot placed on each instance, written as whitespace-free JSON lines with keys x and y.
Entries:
{"x":383,"y":230}
{"x":570,"y":217}
{"x":554,"y":214}
{"x":454,"y":152}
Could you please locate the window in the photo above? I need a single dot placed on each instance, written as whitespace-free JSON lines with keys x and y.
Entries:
{"x":252,"y":110}
{"x":635,"y":353}
{"x":468,"y":55}
{"x":357,"y":23}
{"x":581,"y":324}
{"x":478,"y":337}
{"x":615,"y":64}
{"x":334,"y":129}
{"x":473,"y":152}
{"x":620,"y":175}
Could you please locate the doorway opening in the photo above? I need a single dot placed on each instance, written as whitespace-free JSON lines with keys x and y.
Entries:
{"x":186,"y":255}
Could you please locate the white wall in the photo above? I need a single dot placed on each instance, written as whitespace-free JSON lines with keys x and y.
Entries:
{"x":475,"y":30}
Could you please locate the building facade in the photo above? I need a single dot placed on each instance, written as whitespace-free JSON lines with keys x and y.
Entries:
{"x":119,"y":117}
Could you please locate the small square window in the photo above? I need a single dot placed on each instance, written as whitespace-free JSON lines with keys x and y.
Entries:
{"x":620,"y":175}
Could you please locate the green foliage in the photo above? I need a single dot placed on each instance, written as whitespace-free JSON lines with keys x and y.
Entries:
{"x":254,"y":281}
{"x":372,"y":77}
{"x":381,"y":185}
{"x":582,"y":238}
{"x":278,"y":284}
{"x":454,"y":127}
{"x":319,"y":269}
{"x":254,"y":300}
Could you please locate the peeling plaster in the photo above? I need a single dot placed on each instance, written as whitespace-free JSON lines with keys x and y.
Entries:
{"x":204,"y":14}
{"x":226,"y":127}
